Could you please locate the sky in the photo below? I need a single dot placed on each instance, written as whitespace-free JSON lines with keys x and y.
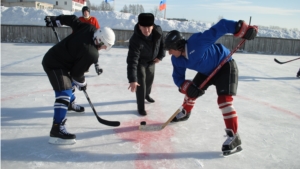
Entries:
{"x":267,"y":104}
{"x":284,"y":14}
{"x":124,"y":21}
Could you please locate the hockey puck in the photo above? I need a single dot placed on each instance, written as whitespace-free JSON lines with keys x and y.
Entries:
{"x":143,"y":123}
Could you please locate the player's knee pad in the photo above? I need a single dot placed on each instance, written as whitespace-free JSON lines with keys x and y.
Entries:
{"x":62,"y":98}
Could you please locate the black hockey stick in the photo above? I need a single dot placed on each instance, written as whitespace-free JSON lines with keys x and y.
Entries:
{"x":146,"y":127}
{"x":54,"y":30}
{"x":285,"y":61}
{"x":105,"y":122}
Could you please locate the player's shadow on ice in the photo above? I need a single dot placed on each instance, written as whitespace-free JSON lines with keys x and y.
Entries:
{"x":10,"y":116}
{"x":37,"y":149}
{"x":252,"y":78}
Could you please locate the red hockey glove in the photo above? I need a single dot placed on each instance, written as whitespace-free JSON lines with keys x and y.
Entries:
{"x":190,"y":89}
{"x":243,"y":30}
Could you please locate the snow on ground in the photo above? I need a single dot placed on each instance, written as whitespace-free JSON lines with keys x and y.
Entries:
{"x":117,"y":20}
{"x":267,"y":105}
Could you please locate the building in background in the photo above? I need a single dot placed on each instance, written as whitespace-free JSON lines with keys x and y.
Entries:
{"x":71,"y":5}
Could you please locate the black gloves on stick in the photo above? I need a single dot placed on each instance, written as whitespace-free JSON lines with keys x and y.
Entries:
{"x":190,"y":89}
{"x":52,"y":21}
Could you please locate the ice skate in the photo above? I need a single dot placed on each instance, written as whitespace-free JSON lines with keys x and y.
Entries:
{"x":182,"y":116}
{"x":75,"y":107}
{"x":60,"y":135}
{"x":232,"y":144}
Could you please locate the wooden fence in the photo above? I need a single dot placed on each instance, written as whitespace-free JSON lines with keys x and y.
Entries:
{"x":42,"y":34}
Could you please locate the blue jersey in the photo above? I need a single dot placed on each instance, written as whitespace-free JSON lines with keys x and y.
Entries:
{"x":202,"y":54}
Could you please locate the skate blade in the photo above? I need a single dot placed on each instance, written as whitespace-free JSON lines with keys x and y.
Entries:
{"x":59,"y":141}
{"x":75,"y":112}
{"x":232,"y":152}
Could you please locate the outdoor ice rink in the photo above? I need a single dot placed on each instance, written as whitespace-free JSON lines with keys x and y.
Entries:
{"x":267,"y":104}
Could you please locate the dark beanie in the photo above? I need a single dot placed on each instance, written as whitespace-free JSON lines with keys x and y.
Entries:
{"x":146,"y":19}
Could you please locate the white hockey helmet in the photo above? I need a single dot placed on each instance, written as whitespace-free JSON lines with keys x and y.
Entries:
{"x":105,"y":36}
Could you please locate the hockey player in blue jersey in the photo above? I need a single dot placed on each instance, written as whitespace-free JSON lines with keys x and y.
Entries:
{"x":202,"y":54}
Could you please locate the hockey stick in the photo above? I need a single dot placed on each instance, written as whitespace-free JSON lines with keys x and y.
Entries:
{"x":285,"y":61}
{"x":160,"y":127}
{"x":105,"y":122}
{"x":54,"y":30}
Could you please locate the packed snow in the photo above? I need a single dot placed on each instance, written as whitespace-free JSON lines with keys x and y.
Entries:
{"x":126,"y":21}
{"x":267,"y":106}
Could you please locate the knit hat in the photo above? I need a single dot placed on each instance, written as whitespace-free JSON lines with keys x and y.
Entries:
{"x":85,"y":8}
{"x":146,"y":19}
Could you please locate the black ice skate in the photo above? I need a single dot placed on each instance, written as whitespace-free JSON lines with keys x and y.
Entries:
{"x":182,"y":116}
{"x":298,"y":74}
{"x":232,"y":144}
{"x":74,"y":107}
{"x":60,"y":135}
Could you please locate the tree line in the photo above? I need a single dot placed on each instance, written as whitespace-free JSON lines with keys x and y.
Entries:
{"x":132,"y":9}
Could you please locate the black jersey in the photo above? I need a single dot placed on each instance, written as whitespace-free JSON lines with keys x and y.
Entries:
{"x":76,"y":53}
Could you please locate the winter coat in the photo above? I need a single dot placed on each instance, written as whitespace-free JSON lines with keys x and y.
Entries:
{"x":143,"y":50}
{"x":76,"y":53}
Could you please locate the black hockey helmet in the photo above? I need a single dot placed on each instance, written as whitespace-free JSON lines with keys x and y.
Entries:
{"x":85,"y":8}
{"x":174,"y":40}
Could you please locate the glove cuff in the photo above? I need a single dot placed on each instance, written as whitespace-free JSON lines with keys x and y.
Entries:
{"x":185,"y":85}
{"x":241,"y":29}
{"x":79,"y":84}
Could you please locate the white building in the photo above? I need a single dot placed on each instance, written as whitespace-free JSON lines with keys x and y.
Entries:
{"x":71,"y":5}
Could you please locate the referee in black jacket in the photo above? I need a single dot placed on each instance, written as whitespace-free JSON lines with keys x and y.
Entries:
{"x":146,"y":48}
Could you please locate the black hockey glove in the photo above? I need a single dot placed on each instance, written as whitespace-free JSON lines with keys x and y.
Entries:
{"x":80,"y":86}
{"x":245,"y":31}
{"x":52,"y":21}
{"x":190,"y":89}
{"x":98,"y":69}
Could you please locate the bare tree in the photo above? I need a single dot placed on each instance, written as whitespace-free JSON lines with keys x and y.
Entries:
{"x":88,"y":3}
{"x":106,"y":7}
{"x":157,"y":13}
{"x":125,"y":9}
{"x":141,"y":9}
{"x":94,"y":7}
{"x":134,"y":9}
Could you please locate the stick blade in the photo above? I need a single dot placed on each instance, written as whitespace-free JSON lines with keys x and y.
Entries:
{"x":150,"y":127}
{"x":108,"y":123}
{"x":277,"y":61}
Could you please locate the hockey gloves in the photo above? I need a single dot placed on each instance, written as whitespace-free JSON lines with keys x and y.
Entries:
{"x":80,"y":86}
{"x":98,"y":69}
{"x":245,"y":31}
{"x":52,"y":21}
{"x":190,"y":89}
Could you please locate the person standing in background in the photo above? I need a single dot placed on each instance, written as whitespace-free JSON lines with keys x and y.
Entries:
{"x":87,"y":18}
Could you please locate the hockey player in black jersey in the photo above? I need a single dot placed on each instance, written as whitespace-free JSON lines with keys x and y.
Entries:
{"x":65,"y":64}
